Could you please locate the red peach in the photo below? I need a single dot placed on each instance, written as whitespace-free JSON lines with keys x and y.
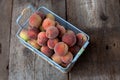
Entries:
{"x":35,"y":20}
{"x":61,"y":48}
{"x":42,"y":39}
{"x":69,"y":38}
{"x":67,"y":58}
{"x":52,"y":42}
{"x":52,"y":32}
{"x":47,"y":51}
{"x":33,"y":32}
{"x":61,"y":29}
{"x":81,"y":38}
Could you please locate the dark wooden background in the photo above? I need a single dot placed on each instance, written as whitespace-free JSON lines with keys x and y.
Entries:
{"x":98,"y":18}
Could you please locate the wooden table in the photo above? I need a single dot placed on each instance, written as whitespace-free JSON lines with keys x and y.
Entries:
{"x":98,"y":18}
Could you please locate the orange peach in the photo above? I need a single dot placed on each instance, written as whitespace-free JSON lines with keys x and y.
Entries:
{"x":47,"y":23}
{"x":34,"y":43}
{"x":69,"y":38}
{"x":52,"y":32}
{"x":35,"y":20}
{"x":67,"y":58}
{"x":61,"y":48}
{"x":56,"y":58}
{"x":47,"y":51}
{"x":42,"y":39}
{"x":52,"y":42}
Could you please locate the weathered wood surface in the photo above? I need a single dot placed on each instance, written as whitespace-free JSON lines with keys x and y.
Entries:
{"x":24,"y":64}
{"x":101,"y":20}
{"x":5,"y":24}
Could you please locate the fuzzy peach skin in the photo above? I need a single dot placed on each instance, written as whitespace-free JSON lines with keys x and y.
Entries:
{"x":50,"y":16}
{"x":61,"y":48}
{"x":67,"y":58}
{"x":61,"y":29}
{"x":52,"y":32}
{"x":35,"y":20}
{"x":47,"y":51}
{"x":42,"y":39}
{"x":23,"y":34}
{"x":56,"y":58}
{"x":33,"y":32}
{"x":34,"y":43}
{"x":47,"y":23}
{"x":52,"y":42}
{"x":69,"y":38}
{"x":81,"y":39}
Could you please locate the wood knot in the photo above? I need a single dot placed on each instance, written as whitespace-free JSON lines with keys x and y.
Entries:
{"x":103,"y":17}
{"x":107,"y":47}
{"x":7,"y":67}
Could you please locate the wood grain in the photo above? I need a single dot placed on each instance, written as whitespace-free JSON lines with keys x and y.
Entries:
{"x":5,"y":25}
{"x":24,"y":64}
{"x":101,"y":20}
{"x":21,"y":64}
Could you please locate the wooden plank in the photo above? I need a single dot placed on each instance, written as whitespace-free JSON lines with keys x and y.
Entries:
{"x":21,"y":59}
{"x":43,"y":70}
{"x":23,"y":64}
{"x":101,"y":20}
{"x":5,"y":24}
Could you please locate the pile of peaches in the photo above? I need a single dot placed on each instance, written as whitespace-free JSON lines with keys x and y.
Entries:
{"x":52,"y":39}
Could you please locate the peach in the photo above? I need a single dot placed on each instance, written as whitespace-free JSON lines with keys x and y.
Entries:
{"x":47,"y":51}
{"x":64,"y":64}
{"x":61,"y":29}
{"x":34,"y":43}
{"x":42,"y":15}
{"x":33,"y":32}
{"x":52,"y":42}
{"x":61,"y":48}
{"x":35,"y":20}
{"x":23,"y":34}
{"x":67,"y":58}
{"x":56,"y":58}
{"x":81,"y":38}
{"x":52,"y":32}
{"x":69,"y":38}
{"x":47,"y":23}
{"x":74,"y":49}
{"x":50,"y":16}
{"x":42,"y":39}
